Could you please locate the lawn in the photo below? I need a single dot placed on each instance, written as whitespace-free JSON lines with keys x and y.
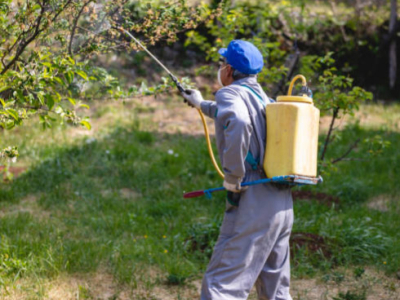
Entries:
{"x":105,"y":207}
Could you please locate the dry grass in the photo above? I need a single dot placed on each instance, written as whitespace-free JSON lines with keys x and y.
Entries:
{"x":381,"y":203}
{"x":375,"y":116}
{"x":125,"y":193}
{"x":27,"y":205}
{"x":175,"y":117}
{"x":375,"y":283}
{"x":102,"y":286}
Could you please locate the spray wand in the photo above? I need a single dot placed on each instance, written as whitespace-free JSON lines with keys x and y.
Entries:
{"x":182,"y":90}
{"x":174,"y":79}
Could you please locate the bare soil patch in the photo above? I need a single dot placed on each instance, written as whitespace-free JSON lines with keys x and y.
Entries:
{"x":376,"y":285}
{"x":27,"y":205}
{"x":313,"y":242}
{"x":15,"y":171}
{"x":321,"y":198}
{"x":381,"y":203}
{"x":102,"y":286}
{"x":125,"y":193}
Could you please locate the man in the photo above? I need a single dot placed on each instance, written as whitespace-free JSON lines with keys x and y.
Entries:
{"x":253,"y":245}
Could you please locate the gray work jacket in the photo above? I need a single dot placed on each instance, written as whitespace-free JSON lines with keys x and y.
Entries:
{"x":239,"y":115}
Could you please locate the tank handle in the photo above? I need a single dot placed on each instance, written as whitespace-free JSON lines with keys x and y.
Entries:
{"x":303,"y":79}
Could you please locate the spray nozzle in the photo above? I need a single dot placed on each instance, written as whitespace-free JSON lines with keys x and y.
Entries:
{"x":177,"y":83}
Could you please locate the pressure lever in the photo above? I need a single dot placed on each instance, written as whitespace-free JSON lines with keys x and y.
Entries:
{"x":305,"y":90}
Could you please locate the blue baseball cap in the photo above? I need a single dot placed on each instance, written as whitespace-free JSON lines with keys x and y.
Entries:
{"x":243,"y":56}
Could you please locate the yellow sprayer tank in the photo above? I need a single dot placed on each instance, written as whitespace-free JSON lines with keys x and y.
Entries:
{"x":292,"y":136}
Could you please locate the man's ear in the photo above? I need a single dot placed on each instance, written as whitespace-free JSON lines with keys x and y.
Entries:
{"x":230,"y":71}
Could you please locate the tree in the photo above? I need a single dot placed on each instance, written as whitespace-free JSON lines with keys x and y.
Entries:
{"x":392,"y":45}
{"x":47,"y":46}
{"x":337,"y":97}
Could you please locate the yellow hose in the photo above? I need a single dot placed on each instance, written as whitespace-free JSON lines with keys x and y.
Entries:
{"x":295,"y":78}
{"x":210,"y":151}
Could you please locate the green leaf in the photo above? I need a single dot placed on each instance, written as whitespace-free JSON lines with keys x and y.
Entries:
{"x":86,"y":124}
{"x":4,"y":88}
{"x":9,"y":103}
{"x":13,"y":113}
{"x":71,"y":60}
{"x":59,"y":81}
{"x":50,"y":101}
{"x":10,"y":124}
{"x":57,"y":97}
{"x":36,"y":7}
{"x":47,"y":64}
{"x":72,"y":101}
{"x":84,"y":105}
{"x":40,"y":97}
{"x":82,"y":74}
{"x":2,"y":102}
{"x":70,"y":76}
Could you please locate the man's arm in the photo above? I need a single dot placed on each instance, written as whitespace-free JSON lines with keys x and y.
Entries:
{"x":233,"y":115}
{"x":209,"y":108}
{"x":195,"y":99}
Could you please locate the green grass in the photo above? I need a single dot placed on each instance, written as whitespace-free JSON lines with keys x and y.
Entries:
{"x":92,"y":224}
{"x":356,"y":234}
{"x":114,"y":202}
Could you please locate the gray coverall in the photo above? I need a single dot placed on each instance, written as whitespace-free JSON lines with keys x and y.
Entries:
{"x":253,"y":244}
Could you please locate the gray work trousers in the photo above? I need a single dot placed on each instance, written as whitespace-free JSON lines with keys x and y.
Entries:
{"x":252,"y":248}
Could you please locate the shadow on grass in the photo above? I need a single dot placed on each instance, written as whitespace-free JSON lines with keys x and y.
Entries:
{"x":117,"y":202}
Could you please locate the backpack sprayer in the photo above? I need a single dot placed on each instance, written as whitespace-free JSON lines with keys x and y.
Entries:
{"x":292,"y":137}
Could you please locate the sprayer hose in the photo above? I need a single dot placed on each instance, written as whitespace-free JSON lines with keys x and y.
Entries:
{"x":210,"y":150}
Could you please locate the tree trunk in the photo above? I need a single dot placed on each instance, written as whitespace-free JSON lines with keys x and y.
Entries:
{"x":392,"y":46}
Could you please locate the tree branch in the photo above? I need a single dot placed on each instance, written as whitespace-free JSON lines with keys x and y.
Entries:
{"x":354,"y":159}
{"x":36,"y":33}
{"x":75,"y":25}
{"x":392,"y":46}
{"x":25,"y":43}
{"x":36,"y":108}
{"x":11,"y":48}
{"x":328,"y":137}
{"x":105,"y":37}
{"x":333,"y":6}
{"x":291,"y":63}
{"x":351,"y":148}
{"x":110,"y":14}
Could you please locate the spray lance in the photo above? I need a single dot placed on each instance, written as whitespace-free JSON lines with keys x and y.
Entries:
{"x":174,"y":79}
{"x":182,"y":90}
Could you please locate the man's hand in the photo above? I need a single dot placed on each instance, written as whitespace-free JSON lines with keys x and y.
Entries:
{"x":193,"y":97}
{"x":236,"y":188}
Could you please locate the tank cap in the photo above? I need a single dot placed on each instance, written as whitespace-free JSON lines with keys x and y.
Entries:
{"x":290,"y":98}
